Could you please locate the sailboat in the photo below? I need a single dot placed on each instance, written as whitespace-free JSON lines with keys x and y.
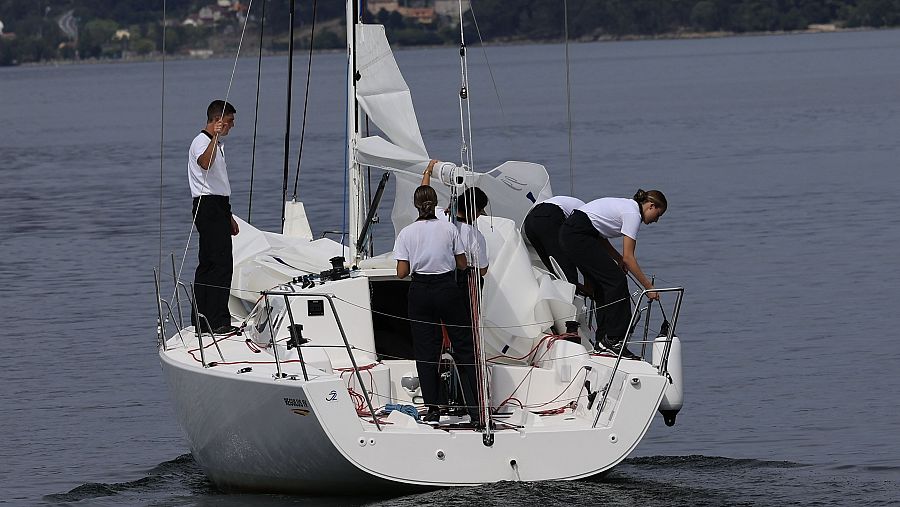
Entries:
{"x":319,"y":392}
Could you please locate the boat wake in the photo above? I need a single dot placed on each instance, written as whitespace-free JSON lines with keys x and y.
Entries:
{"x":655,"y":480}
{"x":181,"y":475}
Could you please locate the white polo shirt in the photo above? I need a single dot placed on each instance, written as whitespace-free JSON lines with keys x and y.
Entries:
{"x":614,"y":216}
{"x":207,"y":182}
{"x":565,"y":203}
{"x":474,"y":245}
{"x":429,"y":246}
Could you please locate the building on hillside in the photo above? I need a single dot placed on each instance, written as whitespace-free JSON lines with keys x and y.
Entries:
{"x":374,"y":6}
{"x":423,"y":15}
{"x":450,"y":8}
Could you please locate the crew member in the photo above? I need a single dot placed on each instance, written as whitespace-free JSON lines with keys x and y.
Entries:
{"x":430,"y":250}
{"x":584,"y":238}
{"x":470,"y":205}
{"x":541,"y":227}
{"x":208,"y":179}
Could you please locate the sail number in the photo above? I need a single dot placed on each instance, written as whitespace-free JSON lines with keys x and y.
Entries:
{"x":296,"y":402}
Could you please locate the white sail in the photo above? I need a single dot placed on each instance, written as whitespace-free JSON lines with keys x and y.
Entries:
{"x":263,"y":260}
{"x":519,"y":302}
{"x":382,"y":92}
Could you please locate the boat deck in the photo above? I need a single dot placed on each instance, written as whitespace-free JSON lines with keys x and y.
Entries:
{"x":240,"y":358}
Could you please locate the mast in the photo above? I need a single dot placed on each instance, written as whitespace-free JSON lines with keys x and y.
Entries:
{"x":355,"y":182}
{"x":287,"y":129}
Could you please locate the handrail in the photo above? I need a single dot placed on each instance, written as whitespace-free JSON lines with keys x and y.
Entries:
{"x":635,"y":314}
{"x":161,"y":335}
{"x":337,"y":319}
{"x":160,"y":332}
{"x":177,"y":299}
{"x":287,"y":305}
{"x":271,"y":327}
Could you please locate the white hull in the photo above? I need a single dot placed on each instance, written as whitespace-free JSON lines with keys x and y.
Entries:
{"x":252,"y":431}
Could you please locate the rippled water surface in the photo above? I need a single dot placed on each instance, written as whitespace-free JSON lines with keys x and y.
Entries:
{"x":778,"y":155}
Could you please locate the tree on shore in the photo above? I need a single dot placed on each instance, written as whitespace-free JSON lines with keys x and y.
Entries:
{"x":38,"y":36}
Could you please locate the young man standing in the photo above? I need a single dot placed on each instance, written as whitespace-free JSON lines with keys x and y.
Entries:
{"x":211,"y":210}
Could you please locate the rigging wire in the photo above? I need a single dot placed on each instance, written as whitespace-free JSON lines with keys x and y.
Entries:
{"x":312,"y":35}
{"x":162,"y":134}
{"x":488,"y":62}
{"x":262,"y":29}
{"x":569,"y":100}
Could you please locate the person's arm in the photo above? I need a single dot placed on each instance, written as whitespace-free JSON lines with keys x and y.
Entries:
{"x":234,"y":227}
{"x":206,"y":159}
{"x":611,"y":250}
{"x":482,"y":256}
{"x":402,"y":269}
{"x":461,"y":261}
{"x":426,"y":176}
{"x":630,"y":261}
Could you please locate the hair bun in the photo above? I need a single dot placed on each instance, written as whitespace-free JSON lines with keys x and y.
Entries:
{"x":640,"y":195}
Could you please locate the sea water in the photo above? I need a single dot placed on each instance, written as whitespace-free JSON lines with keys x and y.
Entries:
{"x":777,"y":154}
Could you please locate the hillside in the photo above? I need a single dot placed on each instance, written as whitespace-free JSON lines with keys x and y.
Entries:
{"x":96,"y":29}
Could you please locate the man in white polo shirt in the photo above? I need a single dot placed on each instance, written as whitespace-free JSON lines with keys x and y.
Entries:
{"x":211,"y":209}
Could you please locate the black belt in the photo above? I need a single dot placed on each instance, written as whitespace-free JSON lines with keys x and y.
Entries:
{"x":426,"y":277}
{"x":212,"y":198}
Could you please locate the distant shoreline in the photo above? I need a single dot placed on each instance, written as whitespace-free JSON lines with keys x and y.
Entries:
{"x":819,"y":29}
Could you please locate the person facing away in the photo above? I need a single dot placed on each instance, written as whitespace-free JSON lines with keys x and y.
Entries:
{"x":470,"y":205}
{"x":541,"y":227}
{"x":211,"y":210}
{"x":584,"y":238}
{"x":430,"y":251}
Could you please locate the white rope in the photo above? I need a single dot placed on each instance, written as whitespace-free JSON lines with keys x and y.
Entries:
{"x":162,"y":129}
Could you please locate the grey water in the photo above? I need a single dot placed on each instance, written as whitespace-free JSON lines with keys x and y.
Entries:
{"x":778,"y":156}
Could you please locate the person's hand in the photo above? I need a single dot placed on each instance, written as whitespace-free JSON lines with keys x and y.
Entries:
{"x":653,"y":296}
{"x":234,"y":227}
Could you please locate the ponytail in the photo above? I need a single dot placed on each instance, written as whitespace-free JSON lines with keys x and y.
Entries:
{"x":654,"y":196}
{"x":425,"y":199}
